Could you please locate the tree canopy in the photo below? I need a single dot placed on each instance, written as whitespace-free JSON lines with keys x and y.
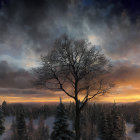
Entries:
{"x":76,"y":67}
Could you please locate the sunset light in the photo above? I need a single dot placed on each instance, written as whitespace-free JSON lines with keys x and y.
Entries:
{"x":69,"y":69}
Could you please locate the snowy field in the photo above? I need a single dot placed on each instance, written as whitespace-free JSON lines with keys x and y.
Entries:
{"x":49,"y":122}
{"x":8,"y":121}
{"x":129,"y":131}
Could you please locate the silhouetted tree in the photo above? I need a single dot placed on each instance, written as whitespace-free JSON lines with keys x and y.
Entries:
{"x":78,"y":65}
{"x":14,"y":135}
{"x":43,"y":132}
{"x":103,"y":126}
{"x":60,"y":129}
{"x":4,"y":108}
{"x":137,"y":123}
{"x":30,"y":129}
{"x":88,"y":126}
{"x":123,"y":125}
{"x":112,"y":125}
{"x":21,"y":125}
{"x":118,"y":130}
{"x":2,"y":128}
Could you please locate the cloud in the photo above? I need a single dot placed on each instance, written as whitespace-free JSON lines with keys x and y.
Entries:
{"x":26,"y":92}
{"x":28,"y":29}
{"x":12,"y":77}
{"x":12,"y":95}
{"x":36,"y":24}
{"x":125,"y":73}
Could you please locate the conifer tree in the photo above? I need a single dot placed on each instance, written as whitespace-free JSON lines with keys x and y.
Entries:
{"x":103,"y":126}
{"x":43,"y":132}
{"x":112,"y":125}
{"x":60,"y":129}
{"x":137,"y":123}
{"x":21,"y":125}
{"x":4,"y":108}
{"x":123,"y":126}
{"x":14,"y":131}
{"x":30,"y":129}
{"x":2,"y":128}
{"x":117,"y":126}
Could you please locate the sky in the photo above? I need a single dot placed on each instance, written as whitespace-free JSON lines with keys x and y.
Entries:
{"x":28,"y":29}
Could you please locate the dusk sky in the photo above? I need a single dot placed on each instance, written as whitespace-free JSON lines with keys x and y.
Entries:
{"x":28,"y":29}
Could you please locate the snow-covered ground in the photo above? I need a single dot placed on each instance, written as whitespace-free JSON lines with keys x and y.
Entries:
{"x":8,"y":121}
{"x":131,"y":133}
{"x":7,"y":124}
{"x":49,"y":122}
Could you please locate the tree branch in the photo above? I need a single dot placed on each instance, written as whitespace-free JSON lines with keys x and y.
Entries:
{"x":61,"y":85}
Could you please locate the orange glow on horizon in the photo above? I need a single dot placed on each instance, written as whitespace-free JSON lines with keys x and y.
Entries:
{"x":124,"y":93}
{"x":32,"y":100}
{"x":107,"y":98}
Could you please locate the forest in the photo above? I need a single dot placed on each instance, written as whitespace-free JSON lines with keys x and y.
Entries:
{"x":85,"y":52}
{"x":54,"y":122}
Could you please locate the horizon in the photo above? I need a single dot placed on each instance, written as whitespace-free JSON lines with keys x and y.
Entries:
{"x":68,"y":102}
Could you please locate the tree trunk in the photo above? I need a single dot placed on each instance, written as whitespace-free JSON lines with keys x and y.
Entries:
{"x":77,"y":122}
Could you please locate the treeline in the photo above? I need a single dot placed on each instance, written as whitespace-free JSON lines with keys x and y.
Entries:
{"x":23,"y":130}
{"x":107,"y":121}
{"x":26,"y":131}
{"x":30,"y":110}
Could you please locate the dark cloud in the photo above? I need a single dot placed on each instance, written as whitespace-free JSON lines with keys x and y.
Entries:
{"x":126,"y":74}
{"x":36,"y":23}
{"x":25,"y":92}
{"x":29,"y":27}
{"x":13,"y":77}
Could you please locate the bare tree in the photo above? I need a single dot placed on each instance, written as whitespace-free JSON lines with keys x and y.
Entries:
{"x":78,"y":69}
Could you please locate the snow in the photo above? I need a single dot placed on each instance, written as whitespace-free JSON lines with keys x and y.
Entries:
{"x":8,"y":121}
{"x":49,"y":122}
{"x":131,"y":133}
{"x":7,"y":124}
